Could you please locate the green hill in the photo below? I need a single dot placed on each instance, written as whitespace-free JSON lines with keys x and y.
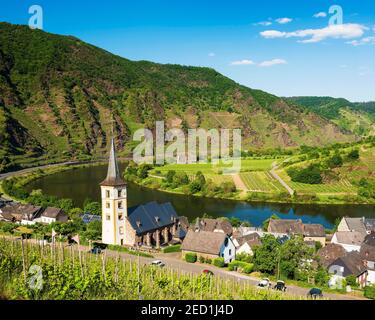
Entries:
{"x":58,"y":95}
{"x":358,"y":118}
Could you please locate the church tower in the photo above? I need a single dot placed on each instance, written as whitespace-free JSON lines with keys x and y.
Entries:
{"x":114,"y":202}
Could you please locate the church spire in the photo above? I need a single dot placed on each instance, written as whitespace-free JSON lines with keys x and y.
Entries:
{"x":113,"y":178}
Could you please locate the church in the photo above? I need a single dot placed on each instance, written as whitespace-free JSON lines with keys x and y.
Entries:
{"x":148,"y":225}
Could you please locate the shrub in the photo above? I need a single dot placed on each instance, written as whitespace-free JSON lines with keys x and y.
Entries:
{"x":191,"y":257}
{"x":248,"y":268}
{"x":370,"y":292}
{"x":241,"y":266}
{"x":219,"y":262}
{"x":202,"y":259}
{"x":170,"y":249}
{"x":309,"y":175}
{"x":351,"y":281}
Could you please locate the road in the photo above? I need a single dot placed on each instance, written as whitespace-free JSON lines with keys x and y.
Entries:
{"x":278,"y":178}
{"x":174,"y":262}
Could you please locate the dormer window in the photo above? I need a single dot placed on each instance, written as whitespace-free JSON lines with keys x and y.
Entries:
{"x":139,"y":224}
{"x":157,"y":219}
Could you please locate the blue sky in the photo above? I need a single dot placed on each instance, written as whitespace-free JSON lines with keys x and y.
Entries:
{"x":277,"y":46}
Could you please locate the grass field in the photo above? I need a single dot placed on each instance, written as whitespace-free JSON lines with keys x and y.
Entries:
{"x":261,"y":182}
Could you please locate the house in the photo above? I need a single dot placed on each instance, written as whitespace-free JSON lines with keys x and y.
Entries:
{"x":314,"y":233}
{"x":311,"y":232}
{"x":352,"y":224}
{"x":214,"y":225}
{"x":369,"y":225}
{"x":209,"y":245}
{"x":20,"y":213}
{"x":4,"y":202}
{"x":285,"y":226}
{"x":350,"y":240}
{"x":50,"y":215}
{"x":349,"y":264}
{"x":245,"y":244}
{"x":330,"y":253}
{"x":367,"y":252}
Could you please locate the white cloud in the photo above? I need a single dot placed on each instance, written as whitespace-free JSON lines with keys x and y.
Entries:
{"x":363,"y":41}
{"x":270,"y":63}
{"x":242,"y":62}
{"x":320,"y":15}
{"x":263,"y":23}
{"x":284,"y":20}
{"x":343,"y":31}
{"x":211,"y":54}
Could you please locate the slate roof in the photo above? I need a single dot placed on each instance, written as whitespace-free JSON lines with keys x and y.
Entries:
{"x":285,"y":226}
{"x":368,"y":248}
{"x":352,"y":263}
{"x":370,"y":224}
{"x":51,"y":212}
{"x":204,"y":242}
{"x":252,"y":239}
{"x":350,"y":237}
{"x":356,"y":224}
{"x":17,"y":211}
{"x":330,"y":253}
{"x":87,"y":218}
{"x":151,"y":216}
{"x":313,"y":230}
{"x":113,"y":178}
{"x":211,"y":225}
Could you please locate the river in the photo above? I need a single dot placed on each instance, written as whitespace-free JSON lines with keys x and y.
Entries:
{"x":81,"y":183}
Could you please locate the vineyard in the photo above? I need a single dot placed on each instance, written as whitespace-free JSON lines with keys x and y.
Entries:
{"x":261,"y":182}
{"x":54,"y":272}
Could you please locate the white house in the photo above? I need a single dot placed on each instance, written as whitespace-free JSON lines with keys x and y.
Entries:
{"x":209,"y":245}
{"x":349,"y":240}
{"x":51,"y":215}
{"x":245,"y":244}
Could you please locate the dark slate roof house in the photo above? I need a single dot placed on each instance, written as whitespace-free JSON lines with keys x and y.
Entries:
{"x":368,"y":248}
{"x":370,"y":225}
{"x":204,"y":242}
{"x":330,"y":253}
{"x":55,"y":213}
{"x":352,"y":264}
{"x":285,"y":226}
{"x":151,"y":216}
{"x":211,"y":225}
{"x":87,"y":218}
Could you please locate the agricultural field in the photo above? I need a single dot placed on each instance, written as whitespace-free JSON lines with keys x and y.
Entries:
{"x":261,"y":181}
{"x":341,"y":187}
{"x":67,"y":274}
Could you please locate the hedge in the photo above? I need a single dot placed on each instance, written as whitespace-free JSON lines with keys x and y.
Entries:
{"x":219,"y":262}
{"x":170,"y":249}
{"x":191,"y":257}
{"x":370,"y":292}
{"x":244,"y":266}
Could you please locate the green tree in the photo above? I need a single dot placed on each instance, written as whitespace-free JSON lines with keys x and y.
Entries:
{"x":266,"y":256}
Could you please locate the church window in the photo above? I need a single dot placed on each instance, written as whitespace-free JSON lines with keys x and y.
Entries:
{"x":119,"y":204}
{"x":121,"y":230}
{"x":119,"y":193}
{"x":107,"y":193}
{"x":120,"y":216}
{"x":108,"y":217}
{"x":107,"y":205}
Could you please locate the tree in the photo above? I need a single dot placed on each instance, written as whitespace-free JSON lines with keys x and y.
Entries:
{"x":335,"y":161}
{"x":266,"y":256}
{"x":170,"y":175}
{"x":294,"y":255}
{"x":353,"y":155}
{"x":92,"y":207}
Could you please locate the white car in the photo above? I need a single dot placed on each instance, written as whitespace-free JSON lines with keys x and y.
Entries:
{"x":158,"y":263}
{"x":264,"y":283}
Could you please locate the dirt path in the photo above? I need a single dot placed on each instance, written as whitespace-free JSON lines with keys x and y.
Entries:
{"x":239,"y":183}
{"x":278,"y":178}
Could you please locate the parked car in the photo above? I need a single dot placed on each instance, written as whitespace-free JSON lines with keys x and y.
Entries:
{"x":158,"y":263}
{"x":265,"y":283}
{"x":208,"y":272}
{"x":96,"y":250}
{"x":280,"y":286}
{"x":315,"y":293}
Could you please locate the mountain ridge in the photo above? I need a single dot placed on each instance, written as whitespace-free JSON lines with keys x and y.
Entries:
{"x":58,"y":95}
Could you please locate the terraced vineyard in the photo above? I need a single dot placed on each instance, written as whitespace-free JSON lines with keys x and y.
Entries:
{"x":341,"y":187}
{"x":261,"y":181}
